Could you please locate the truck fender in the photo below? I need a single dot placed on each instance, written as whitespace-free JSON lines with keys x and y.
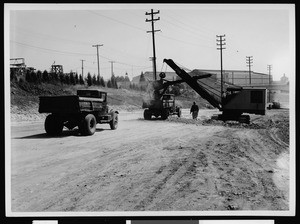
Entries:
{"x":114,"y":111}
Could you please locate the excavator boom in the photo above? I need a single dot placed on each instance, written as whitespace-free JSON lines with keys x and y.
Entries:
{"x":193,"y":84}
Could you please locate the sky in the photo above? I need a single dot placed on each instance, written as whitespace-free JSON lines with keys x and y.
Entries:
{"x":64,"y":34}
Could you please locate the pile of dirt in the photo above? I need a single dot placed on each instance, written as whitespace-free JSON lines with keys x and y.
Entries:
{"x":279,"y":123}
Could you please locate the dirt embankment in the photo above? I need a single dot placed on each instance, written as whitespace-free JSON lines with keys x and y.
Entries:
{"x":24,"y":99}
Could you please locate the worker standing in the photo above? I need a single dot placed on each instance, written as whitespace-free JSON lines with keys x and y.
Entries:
{"x":194,"y":110}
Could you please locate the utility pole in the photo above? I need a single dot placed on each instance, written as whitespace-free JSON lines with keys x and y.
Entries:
{"x":153,"y":31}
{"x":82,"y":67}
{"x":112,"y":67}
{"x":249,"y":62}
{"x":97,"y":46}
{"x":220,"y":42}
{"x":269,"y":69}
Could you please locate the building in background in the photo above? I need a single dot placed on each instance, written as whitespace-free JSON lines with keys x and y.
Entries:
{"x":236,"y":77}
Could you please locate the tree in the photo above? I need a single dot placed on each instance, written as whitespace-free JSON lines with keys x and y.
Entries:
{"x":98,"y":83}
{"x":102,"y":82}
{"x":89,"y":79}
{"x":72,"y":78}
{"x":39,"y":76}
{"x":81,"y":81}
{"x":113,"y":82}
{"x":54,"y":77}
{"x":76,"y":79}
{"x":120,"y":79}
{"x":31,"y":76}
{"x":142,"y":77}
{"x":45,"y":76}
{"x":126,"y":78}
{"x":109,"y":85}
{"x":13,"y":75}
{"x":62,"y":78}
{"x":94,"y":80}
{"x":67,"y":79}
{"x":28,"y":76}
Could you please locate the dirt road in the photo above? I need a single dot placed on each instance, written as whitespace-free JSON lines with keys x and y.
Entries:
{"x":174,"y":165}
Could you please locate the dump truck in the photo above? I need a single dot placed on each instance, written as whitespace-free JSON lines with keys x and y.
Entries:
{"x":84,"y":110}
{"x":162,"y":104}
{"x":233,"y":102}
{"x":163,"y":107}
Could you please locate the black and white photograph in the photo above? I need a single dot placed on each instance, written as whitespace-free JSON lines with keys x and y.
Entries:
{"x":149,"y":109}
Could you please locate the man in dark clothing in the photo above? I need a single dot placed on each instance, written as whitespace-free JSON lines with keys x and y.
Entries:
{"x":194,"y":110}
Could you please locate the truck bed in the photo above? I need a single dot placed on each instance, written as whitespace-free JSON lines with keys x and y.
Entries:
{"x":69,"y":104}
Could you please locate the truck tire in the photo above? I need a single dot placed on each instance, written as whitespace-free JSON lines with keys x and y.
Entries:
{"x":179,"y":112}
{"x":114,"y":122}
{"x":244,"y":119}
{"x":53,"y":125}
{"x":87,"y":125}
{"x":147,"y":114}
{"x":164,"y":114}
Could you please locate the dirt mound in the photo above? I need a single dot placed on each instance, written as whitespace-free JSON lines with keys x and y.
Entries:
{"x":277,"y":126}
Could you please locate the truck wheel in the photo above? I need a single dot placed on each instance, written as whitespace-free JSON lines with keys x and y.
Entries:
{"x":147,"y":115}
{"x":53,"y":125}
{"x":244,"y":119}
{"x":179,"y":112}
{"x":164,"y":114}
{"x":88,"y":125}
{"x":114,"y":122}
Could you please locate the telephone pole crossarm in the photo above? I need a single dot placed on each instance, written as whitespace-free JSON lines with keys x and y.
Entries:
{"x":249,"y":61}
{"x":153,"y":32}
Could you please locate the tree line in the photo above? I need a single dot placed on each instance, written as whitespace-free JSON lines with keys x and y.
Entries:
{"x":72,"y":78}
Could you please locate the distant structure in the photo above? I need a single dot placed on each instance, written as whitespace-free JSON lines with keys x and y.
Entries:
{"x":242,"y":77}
{"x":236,"y":77}
{"x":57,"y":69}
{"x":284,"y":79}
{"x":18,"y":66}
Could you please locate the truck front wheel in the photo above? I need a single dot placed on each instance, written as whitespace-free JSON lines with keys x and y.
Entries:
{"x":53,"y":125}
{"x":114,"y":122}
{"x":179,"y":112}
{"x":164,"y":114}
{"x":87,"y":125}
{"x":147,"y":114}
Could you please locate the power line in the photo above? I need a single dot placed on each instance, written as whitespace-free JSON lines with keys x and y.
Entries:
{"x":50,"y":37}
{"x":190,"y":31}
{"x":171,"y":38}
{"x":115,"y":20}
{"x":185,"y":42}
{"x":47,"y":49}
{"x":192,"y":26}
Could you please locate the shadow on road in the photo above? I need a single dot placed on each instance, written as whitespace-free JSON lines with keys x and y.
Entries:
{"x":65,"y":133}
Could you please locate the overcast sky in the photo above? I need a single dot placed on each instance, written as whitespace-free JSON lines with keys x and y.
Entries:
{"x":64,"y":34}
